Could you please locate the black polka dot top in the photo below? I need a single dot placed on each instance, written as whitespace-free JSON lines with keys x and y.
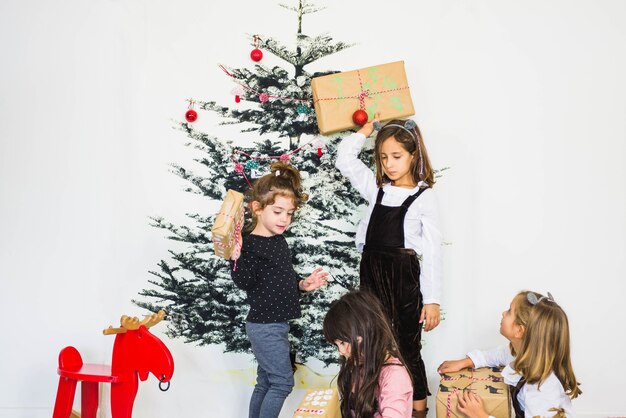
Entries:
{"x":265,"y":272}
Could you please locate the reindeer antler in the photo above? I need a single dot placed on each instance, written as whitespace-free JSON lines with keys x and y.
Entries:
{"x":152,"y":320}
{"x":132,"y":323}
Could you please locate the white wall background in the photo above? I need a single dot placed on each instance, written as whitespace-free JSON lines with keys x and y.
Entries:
{"x":525,"y":101}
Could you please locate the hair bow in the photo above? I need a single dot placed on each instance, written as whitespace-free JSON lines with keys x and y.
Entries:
{"x":533,"y":299}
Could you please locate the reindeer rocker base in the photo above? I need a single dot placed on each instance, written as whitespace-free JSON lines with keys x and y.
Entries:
{"x":136,"y":353}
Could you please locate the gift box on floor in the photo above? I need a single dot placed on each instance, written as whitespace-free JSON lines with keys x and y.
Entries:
{"x":228,"y":224}
{"x":322,"y":403}
{"x":486,"y":382}
{"x":382,"y":88}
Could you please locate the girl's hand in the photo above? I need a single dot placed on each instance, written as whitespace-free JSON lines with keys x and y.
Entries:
{"x":431,"y":316}
{"x":368,"y":128}
{"x":317,"y":279}
{"x":471,"y":405}
{"x":450,"y":366}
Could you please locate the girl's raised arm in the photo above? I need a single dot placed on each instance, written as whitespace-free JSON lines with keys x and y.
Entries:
{"x":361,"y":176}
{"x":348,"y":163}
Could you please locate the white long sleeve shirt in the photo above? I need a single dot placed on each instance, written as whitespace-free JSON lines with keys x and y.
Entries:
{"x":421,"y":224}
{"x":535,"y":401}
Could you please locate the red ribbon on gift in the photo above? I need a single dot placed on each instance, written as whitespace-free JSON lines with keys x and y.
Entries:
{"x":235,"y":238}
{"x":455,"y":389}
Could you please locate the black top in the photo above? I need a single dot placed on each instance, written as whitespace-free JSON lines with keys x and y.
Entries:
{"x":265,"y":272}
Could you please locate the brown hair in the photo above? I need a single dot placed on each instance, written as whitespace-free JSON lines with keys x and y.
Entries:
{"x":284,"y":180}
{"x":546,"y":343}
{"x":413,"y":145}
{"x":360,"y":314}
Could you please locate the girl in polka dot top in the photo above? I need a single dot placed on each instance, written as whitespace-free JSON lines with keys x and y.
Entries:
{"x":265,"y":271}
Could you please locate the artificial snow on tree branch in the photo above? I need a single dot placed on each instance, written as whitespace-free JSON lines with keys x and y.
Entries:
{"x":315,"y":48}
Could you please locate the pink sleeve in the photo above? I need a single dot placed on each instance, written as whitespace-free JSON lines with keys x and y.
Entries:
{"x":395,"y":399}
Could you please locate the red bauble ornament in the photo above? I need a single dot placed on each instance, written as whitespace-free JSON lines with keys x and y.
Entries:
{"x":319,"y":152}
{"x":191,"y":115}
{"x":256,"y":54}
{"x":237,"y":98}
{"x":360,"y":117}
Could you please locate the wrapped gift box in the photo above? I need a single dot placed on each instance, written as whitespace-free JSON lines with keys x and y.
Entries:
{"x":486,"y":382}
{"x":382,"y":88}
{"x":322,"y":403}
{"x":228,"y":224}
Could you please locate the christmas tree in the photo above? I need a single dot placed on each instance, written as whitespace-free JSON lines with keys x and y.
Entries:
{"x":195,"y":287}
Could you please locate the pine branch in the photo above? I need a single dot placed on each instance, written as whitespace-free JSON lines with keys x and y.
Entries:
{"x":313,"y":49}
{"x":306,"y":8}
{"x":319,"y":47}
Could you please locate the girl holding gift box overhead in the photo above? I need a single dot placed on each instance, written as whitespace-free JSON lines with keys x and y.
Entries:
{"x":538,"y":366}
{"x":400,"y":236}
{"x":265,"y":271}
{"x":373,"y":381}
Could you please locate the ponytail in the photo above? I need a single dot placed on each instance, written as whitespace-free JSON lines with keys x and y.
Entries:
{"x":283,"y":180}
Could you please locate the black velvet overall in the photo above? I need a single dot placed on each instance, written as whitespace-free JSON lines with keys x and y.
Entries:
{"x":392,"y":273}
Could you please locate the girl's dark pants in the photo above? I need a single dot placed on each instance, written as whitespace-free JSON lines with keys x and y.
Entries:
{"x":393,"y":276}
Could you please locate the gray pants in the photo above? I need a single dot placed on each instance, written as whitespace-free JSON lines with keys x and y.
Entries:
{"x":274,"y":382}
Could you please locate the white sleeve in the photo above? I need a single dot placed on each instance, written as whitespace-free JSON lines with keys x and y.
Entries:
{"x":348,"y":163}
{"x":539,"y":400}
{"x":499,"y":356}
{"x":432,"y":260}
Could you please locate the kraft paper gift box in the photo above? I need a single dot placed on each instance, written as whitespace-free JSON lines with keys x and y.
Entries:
{"x":228,"y":224}
{"x":319,"y":403}
{"x":382,"y":88}
{"x":486,"y":382}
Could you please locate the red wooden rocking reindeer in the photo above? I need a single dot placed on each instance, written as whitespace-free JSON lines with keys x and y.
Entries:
{"x":136,"y":353}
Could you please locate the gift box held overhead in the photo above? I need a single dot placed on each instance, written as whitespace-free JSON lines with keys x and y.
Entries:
{"x":485,"y":382}
{"x":319,"y":403}
{"x":228,"y":224}
{"x":382,"y":88}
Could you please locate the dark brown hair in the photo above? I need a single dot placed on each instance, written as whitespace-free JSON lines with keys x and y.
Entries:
{"x":414,"y":146}
{"x":284,"y":180}
{"x":359,"y":315}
